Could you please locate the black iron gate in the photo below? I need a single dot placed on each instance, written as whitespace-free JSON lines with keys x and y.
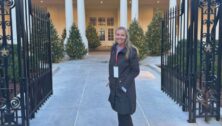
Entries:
{"x":25,"y":62}
{"x":191,"y":69}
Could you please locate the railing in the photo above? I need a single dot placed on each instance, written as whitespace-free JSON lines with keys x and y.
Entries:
{"x":191,"y":69}
{"x":25,"y":62}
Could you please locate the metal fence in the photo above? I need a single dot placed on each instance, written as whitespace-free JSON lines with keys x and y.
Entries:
{"x":25,"y":62}
{"x":191,"y":69}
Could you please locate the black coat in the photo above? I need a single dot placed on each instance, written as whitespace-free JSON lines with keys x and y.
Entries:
{"x":123,"y":102}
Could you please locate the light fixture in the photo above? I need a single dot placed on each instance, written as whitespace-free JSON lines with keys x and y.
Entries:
{"x":41,"y":1}
{"x":101,"y":2}
{"x":157,"y":1}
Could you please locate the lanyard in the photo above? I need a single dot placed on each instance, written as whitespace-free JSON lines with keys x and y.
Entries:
{"x":117,"y":53}
{"x":117,"y":58}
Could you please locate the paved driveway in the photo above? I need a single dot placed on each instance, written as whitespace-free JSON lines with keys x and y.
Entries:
{"x":80,"y":98}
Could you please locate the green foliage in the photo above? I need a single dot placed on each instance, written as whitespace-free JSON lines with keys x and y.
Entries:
{"x":56,"y":44}
{"x":153,"y":35}
{"x":75,"y":47}
{"x":92,"y":37}
{"x":63,"y":35}
{"x":137,"y":38}
{"x":178,"y":60}
{"x":13,"y":69}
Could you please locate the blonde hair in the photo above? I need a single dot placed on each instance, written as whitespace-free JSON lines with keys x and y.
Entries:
{"x":127,"y":43}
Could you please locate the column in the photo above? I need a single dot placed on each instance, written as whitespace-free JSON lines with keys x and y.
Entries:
{"x":184,"y":21}
{"x":123,"y":13}
{"x":69,"y":18}
{"x":172,"y":5}
{"x":134,"y":10}
{"x":81,"y":21}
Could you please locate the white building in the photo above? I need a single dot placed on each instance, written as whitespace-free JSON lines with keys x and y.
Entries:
{"x":105,"y":15}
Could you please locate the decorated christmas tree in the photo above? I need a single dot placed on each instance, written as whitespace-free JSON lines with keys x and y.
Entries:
{"x":137,"y":38}
{"x":92,"y":37}
{"x":75,"y":47}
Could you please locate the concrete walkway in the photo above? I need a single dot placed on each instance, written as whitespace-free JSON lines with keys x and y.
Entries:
{"x":80,"y":97}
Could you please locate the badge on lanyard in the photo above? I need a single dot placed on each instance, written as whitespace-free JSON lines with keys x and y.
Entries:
{"x":116,"y":71}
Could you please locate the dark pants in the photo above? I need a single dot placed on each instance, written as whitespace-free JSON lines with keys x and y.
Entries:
{"x":125,"y":120}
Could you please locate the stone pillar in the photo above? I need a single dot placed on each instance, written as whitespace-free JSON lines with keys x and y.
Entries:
{"x":172,"y":6}
{"x":184,"y":21}
{"x":123,"y":13}
{"x":134,"y":10}
{"x":81,"y":21}
{"x":69,"y":18}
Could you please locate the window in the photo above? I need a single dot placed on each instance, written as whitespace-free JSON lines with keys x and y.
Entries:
{"x":110,"y":34}
{"x":110,"y":21}
{"x":101,"y":21}
{"x":102,"y":35}
{"x":92,"y":21}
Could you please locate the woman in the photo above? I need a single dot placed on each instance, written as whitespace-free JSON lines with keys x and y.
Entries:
{"x":123,"y":69}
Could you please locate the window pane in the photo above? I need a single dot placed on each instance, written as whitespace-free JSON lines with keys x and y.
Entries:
{"x":110,"y":34}
{"x":110,"y":21}
{"x":101,"y":21}
{"x":102,"y":35}
{"x":92,"y":21}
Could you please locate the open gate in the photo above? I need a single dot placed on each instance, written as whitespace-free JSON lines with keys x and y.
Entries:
{"x":25,"y":61}
{"x":191,"y":69}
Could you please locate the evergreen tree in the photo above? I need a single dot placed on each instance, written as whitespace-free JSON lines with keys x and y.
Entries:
{"x":153,"y":35}
{"x":137,"y":38}
{"x":75,"y":47}
{"x":56,"y":44}
{"x":63,"y":35}
{"x":92,"y":37}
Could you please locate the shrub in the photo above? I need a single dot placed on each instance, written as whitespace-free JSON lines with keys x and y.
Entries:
{"x":137,"y":38}
{"x":63,"y":36}
{"x":92,"y":37}
{"x":75,"y":47}
{"x":56,"y":44}
{"x":153,"y":36}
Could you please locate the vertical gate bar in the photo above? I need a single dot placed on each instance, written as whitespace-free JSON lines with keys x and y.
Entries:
{"x":219,"y":65}
{"x":162,"y":37}
{"x":180,"y":39}
{"x":175,"y":55}
{"x":213,"y":39}
{"x":189,"y":55}
{"x":184,"y":55}
{"x":166,"y":55}
{"x":170,"y":62}
{"x":183,"y":58}
{"x":195,"y":57}
{"x":173,"y":58}
{"x":201,"y":59}
{"x":26,"y":59}
{"x":50,"y":58}
{"x":169,"y":55}
{"x":208,"y":64}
